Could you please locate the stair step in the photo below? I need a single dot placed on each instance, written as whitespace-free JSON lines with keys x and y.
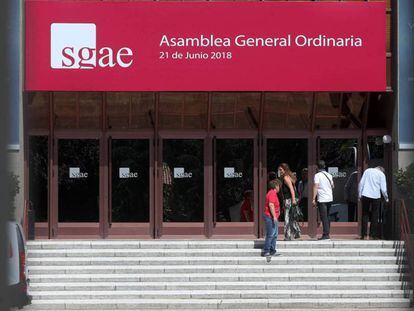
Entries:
{"x":168,"y":261}
{"x":29,"y":308}
{"x":199,"y":244}
{"x":37,"y":253}
{"x":260,"y":285}
{"x":133,"y":304}
{"x":218,"y":294}
{"x":198,"y":277}
{"x":90,"y":269}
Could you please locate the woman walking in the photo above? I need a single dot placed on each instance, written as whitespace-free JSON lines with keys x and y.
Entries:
{"x":290,"y":201}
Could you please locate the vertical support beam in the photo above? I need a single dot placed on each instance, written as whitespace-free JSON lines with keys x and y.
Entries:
{"x":52,"y":181}
{"x":313,"y":113}
{"x":312,"y":212}
{"x":5,"y":99}
{"x":363,"y":153}
{"x":341,"y":103}
{"x":208,"y":187}
{"x":77,"y":110}
{"x":262,"y":177}
{"x":312,"y":157}
{"x":158,"y":206}
{"x":208,"y":173}
{"x":104,"y":173}
{"x":26,"y":155}
{"x":364,"y":132}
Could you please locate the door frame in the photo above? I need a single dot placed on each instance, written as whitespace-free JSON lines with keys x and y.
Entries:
{"x":128,"y":229}
{"x":342,"y":228}
{"x":76,"y":229}
{"x":237,"y":229}
{"x":310,"y":225}
{"x":41,"y":229}
{"x":192,"y":229}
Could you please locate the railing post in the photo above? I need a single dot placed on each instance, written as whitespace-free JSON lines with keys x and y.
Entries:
{"x":397,"y":220}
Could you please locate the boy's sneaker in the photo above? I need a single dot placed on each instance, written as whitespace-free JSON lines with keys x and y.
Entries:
{"x":272,"y":253}
{"x":267,"y":254}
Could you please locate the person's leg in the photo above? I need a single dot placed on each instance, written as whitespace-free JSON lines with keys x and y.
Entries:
{"x":352,"y":207}
{"x":328,"y":220}
{"x":323,"y":212}
{"x":296,"y":229}
{"x":274,"y":238}
{"x":375,"y":204}
{"x":269,"y":234}
{"x":365,"y":216}
{"x":288,"y":225}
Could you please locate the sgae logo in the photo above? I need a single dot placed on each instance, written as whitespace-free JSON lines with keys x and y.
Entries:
{"x":73,"y":46}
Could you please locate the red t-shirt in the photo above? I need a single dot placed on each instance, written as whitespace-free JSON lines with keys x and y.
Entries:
{"x":271,"y":197}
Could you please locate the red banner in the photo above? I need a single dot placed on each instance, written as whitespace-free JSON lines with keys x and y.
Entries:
{"x":205,"y":46}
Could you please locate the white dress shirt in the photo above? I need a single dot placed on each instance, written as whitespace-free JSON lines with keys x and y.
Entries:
{"x":372,"y":184}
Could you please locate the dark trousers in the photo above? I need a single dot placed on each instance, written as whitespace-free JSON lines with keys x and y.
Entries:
{"x":370,"y":210}
{"x":352,"y":208}
{"x":324,"y":208}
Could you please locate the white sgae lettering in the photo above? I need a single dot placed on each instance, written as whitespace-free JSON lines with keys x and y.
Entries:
{"x":73,"y":46}
{"x":106,"y":59}
{"x":85,"y":58}
{"x":127,"y":52}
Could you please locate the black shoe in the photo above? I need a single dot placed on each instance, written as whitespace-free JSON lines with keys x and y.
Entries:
{"x":267,"y":254}
{"x":272,"y":253}
{"x":324,"y":238}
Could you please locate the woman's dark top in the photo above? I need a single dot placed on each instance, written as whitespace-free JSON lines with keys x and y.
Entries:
{"x":285,"y":191}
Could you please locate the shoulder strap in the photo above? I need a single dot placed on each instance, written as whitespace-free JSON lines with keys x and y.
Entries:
{"x":330,"y":182}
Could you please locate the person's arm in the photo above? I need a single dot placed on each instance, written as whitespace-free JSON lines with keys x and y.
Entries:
{"x":315,"y":193}
{"x":315,"y":190}
{"x":272,"y":211}
{"x":289,"y":183}
{"x":361,"y":186}
{"x":384,"y":187}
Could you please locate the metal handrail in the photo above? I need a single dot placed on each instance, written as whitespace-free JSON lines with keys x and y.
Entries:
{"x":408,"y":256}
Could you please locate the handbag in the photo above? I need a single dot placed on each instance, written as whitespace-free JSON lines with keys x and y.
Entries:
{"x":295,"y":210}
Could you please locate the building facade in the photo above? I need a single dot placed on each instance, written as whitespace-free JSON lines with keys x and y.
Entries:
{"x":152,"y":164}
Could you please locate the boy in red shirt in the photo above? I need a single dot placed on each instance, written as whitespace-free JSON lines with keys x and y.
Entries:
{"x":271,"y":216}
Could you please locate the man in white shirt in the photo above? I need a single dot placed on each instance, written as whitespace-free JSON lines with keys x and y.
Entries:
{"x":323,"y":191}
{"x":373,"y":183}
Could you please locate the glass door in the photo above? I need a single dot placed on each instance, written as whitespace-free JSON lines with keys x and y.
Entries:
{"x":181,"y":178}
{"x":293,"y":152}
{"x":341,"y":156}
{"x":78,"y":181}
{"x":129,"y":186}
{"x":38,"y":187}
{"x":235,"y":195}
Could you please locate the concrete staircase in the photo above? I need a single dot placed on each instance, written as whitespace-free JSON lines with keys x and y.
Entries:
{"x":210,"y":274}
